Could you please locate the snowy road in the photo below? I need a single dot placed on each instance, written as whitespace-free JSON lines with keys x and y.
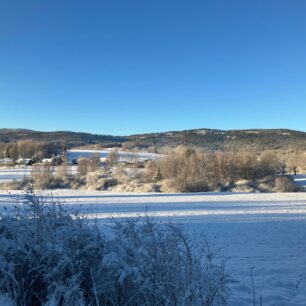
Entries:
{"x":265,"y":231}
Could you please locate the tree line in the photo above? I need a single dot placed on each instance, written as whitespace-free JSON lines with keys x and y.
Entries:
{"x":32,"y":149}
{"x":187,"y":169}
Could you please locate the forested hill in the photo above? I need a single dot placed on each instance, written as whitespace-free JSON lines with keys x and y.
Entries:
{"x":213,"y":139}
{"x":256,"y":139}
{"x":70,"y":138}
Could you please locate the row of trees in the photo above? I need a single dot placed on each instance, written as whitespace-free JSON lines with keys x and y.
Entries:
{"x":182,"y":169}
{"x":89,"y":170}
{"x":28,"y":149}
{"x":196,"y":170}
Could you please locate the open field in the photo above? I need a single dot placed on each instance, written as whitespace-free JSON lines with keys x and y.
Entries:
{"x":18,"y":173}
{"x":264,"y":231}
{"x":123,"y":155}
{"x":14,"y":174}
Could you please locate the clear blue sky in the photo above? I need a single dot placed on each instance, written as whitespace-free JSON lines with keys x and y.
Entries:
{"x":133,"y":66}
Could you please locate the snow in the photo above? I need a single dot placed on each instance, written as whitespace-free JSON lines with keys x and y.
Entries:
{"x":265,"y":231}
{"x":300,"y":180}
{"x":123,"y":155}
{"x":5,"y":161}
{"x":6,"y":301}
{"x":20,"y":172}
{"x":11,"y":174}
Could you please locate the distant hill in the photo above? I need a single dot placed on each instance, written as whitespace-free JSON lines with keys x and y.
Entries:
{"x":71,"y":139}
{"x":212,"y":139}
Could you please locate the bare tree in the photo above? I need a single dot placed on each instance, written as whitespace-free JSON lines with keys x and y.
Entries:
{"x":91,"y":164}
{"x":112,"y":157}
{"x":41,"y":175}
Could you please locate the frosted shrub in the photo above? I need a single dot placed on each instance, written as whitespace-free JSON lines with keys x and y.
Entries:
{"x":42,"y":175}
{"x":285,"y":184}
{"x":45,"y":254}
{"x":153,"y":264}
{"x":49,"y":256}
{"x":86,"y":165}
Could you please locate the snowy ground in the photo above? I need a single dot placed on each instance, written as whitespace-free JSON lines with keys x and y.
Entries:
{"x":13,"y":174}
{"x":123,"y":155}
{"x":264,"y":231}
{"x":300,"y":180}
{"x":20,"y":172}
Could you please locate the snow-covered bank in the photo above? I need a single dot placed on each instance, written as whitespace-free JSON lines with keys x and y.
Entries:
{"x":265,"y":231}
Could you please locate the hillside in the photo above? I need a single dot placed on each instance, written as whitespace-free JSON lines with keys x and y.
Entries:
{"x":72,"y":139}
{"x":212,"y":139}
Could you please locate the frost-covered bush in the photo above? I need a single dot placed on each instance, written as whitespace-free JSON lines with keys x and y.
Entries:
{"x":46,"y":255}
{"x":49,"y":256}
{"x":86,"y":165}
{"x":285,"y":184}
{"x":153,"y":264}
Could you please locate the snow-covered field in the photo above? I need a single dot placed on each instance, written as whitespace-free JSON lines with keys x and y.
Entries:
{"x":123,"y":155}
{"x":263,"y":231}
{"x":18,"y":173}
{"x":12,"y":174}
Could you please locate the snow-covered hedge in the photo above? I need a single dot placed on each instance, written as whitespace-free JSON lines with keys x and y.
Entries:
{"x":49,"y":257}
